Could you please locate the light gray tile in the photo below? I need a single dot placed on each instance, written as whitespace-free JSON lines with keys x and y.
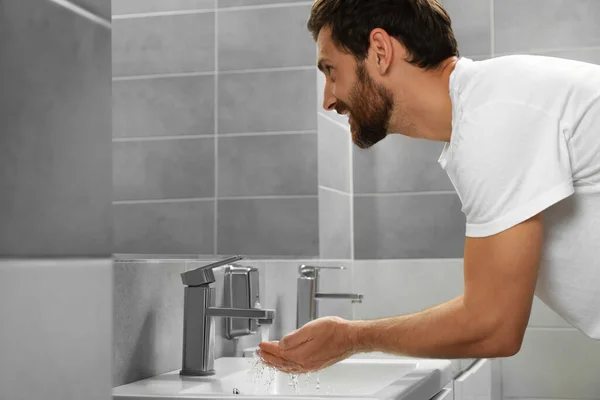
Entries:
{"x":543,"y":316}
{"x":419,"y":226}
{"x":247,"y":38}
{"x":545,"y":24}
{"x":399,"y":164}
{"x":282,"y":288}
{"x":163,"y":44}
{"x":398,"y":287}
{"x":334,"y":225}
{"x":164,"y":169}
{"x":246,"y":3}
{"x":278,"y":227}
{"x":55,"y":152}
{"x":164,"y":107}
{"x":471,"y":23}
{"x":320,"y":95}
{"x":334,"y":154}
{"x":148,"y":319}
{"x":97,"y":7}
{"x":56,"y":331}
{"x":586,"y":55}
{"x":267,"y":101}
{"x":167,"y":228}
{"x":268,"y":165}
{"x":553,"y":364}
{"x":147,"y":6}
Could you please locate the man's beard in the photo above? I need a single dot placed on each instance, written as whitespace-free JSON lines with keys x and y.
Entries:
{"x":372,"y":106}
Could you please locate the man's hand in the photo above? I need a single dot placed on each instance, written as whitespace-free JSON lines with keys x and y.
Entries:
{"x":317,"y":345}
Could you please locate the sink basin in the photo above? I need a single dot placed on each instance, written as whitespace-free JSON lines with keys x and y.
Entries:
{"x":354,"y":378}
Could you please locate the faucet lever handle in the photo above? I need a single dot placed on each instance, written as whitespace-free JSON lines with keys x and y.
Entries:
{"x":310,"y":270}
{"x":204,"y":274}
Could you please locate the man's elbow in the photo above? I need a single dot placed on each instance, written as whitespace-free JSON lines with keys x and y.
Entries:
{"x":507,"y":344}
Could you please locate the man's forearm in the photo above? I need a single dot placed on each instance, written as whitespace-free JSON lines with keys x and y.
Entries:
{"x":449,"y":330}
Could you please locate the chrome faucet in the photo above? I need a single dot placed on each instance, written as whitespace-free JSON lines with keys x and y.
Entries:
{"x":199,"y":310}
{"x":308,"y":294}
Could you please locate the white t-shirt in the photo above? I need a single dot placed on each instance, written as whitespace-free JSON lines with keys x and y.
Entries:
{"x":526,"y":139}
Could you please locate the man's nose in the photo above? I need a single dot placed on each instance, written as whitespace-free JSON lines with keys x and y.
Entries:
{"x":329,"y":104}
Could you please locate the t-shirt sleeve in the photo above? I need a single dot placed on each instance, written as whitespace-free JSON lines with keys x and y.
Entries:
{"x":511,"y":162}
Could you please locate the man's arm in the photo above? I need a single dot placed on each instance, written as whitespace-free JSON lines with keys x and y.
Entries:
{"x":488,"y":320}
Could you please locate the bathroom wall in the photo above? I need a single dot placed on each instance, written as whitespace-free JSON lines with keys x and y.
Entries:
{"x":214,"y":129}
{"x":55,"y":200}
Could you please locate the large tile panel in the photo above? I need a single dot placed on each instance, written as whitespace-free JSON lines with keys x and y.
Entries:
{"x":408,"y":226}
{"x":334,"y":154}
{"x":471,"y":22}
{"x":335,"y":214}
{"x":55,"y":153}
{"x":56,"y":331}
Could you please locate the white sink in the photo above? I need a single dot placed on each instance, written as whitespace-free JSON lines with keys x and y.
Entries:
{"x":355,"y":378}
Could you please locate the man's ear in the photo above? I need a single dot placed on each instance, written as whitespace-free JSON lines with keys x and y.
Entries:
{"x":382,"y":49}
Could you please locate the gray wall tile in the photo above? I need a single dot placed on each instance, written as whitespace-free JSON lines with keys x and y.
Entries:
{"x":585,"y":55}
{"x":146,"y":6}
{"x":164,"y":228}
{"x":334,"y":225}
{"x":97,"y":7}
{"x":398,"y":287}
{"x":545,"y":24}
{"x":56,"y":331}
{"x":163,"y":169}
{"x":268,"y":165}
{"x":148,"y":319}
{"x":238,"y":3}
{"x":553,"y":364}
{"x":400,"y":164}
{"x":55,"y":154}
{"x":543,"y":316}
{"x":247,"y":38}
{"x":267,"y":102}
{"x":282,"y":289}
{"x":471,"y":22}
{"x":284,"y":227}
{"x":334,"y":154}
{"x":164,"y":106}
{"x":165,"y":44}
{"x":413,"y":226}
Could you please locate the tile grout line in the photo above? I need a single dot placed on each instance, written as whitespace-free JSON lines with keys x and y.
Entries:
{"x":208,"y":136}
{"x":332,"y":190}
{"x":398,"y":194}
{"x":206,"y":199}
{"x":271,"y":197}
{"x":216,"y":133}
{"x":211,"y":73}
{"x":163,"y":201}
{"x":82,"y":12}
{"x":549,"y":50}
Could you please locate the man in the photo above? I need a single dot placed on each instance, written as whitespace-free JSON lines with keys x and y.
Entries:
{"x":522,"y":149}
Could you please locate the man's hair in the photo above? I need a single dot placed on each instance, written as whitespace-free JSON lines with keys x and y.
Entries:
{"x":422,"y":26}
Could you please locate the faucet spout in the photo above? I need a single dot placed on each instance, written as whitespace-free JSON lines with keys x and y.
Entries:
{"x":265,"y":316}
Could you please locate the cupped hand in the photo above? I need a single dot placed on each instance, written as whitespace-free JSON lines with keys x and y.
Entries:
{"x":317,"y":345}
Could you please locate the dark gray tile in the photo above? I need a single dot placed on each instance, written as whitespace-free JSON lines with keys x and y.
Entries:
{"x":278,"y":227}
{"x":334,"y":154}
{"x":399,"y":164}
{"x":163,"y":44}
{"x":55,"y":151}
{"x":247,"y":38}
{"x":471,"y":22}
{"x":246,"y":3}
{"x":399,"y":287}
{"x":545,"y":24}
{"x":56,"y":331}
{"x":164,"y":228}
{"x":586,"y":55}
{"x":268,"y":165}
{"x":164,"y":169}
{"x":98,"y":7}
{"x":147,"y":6}
{"x":164,"y":107}
{"x":408,"y":226}
{"x":267,"y":101}
{"x":553,"y":364}
{"x":148,"y":319}
{"x":334,"y":224}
